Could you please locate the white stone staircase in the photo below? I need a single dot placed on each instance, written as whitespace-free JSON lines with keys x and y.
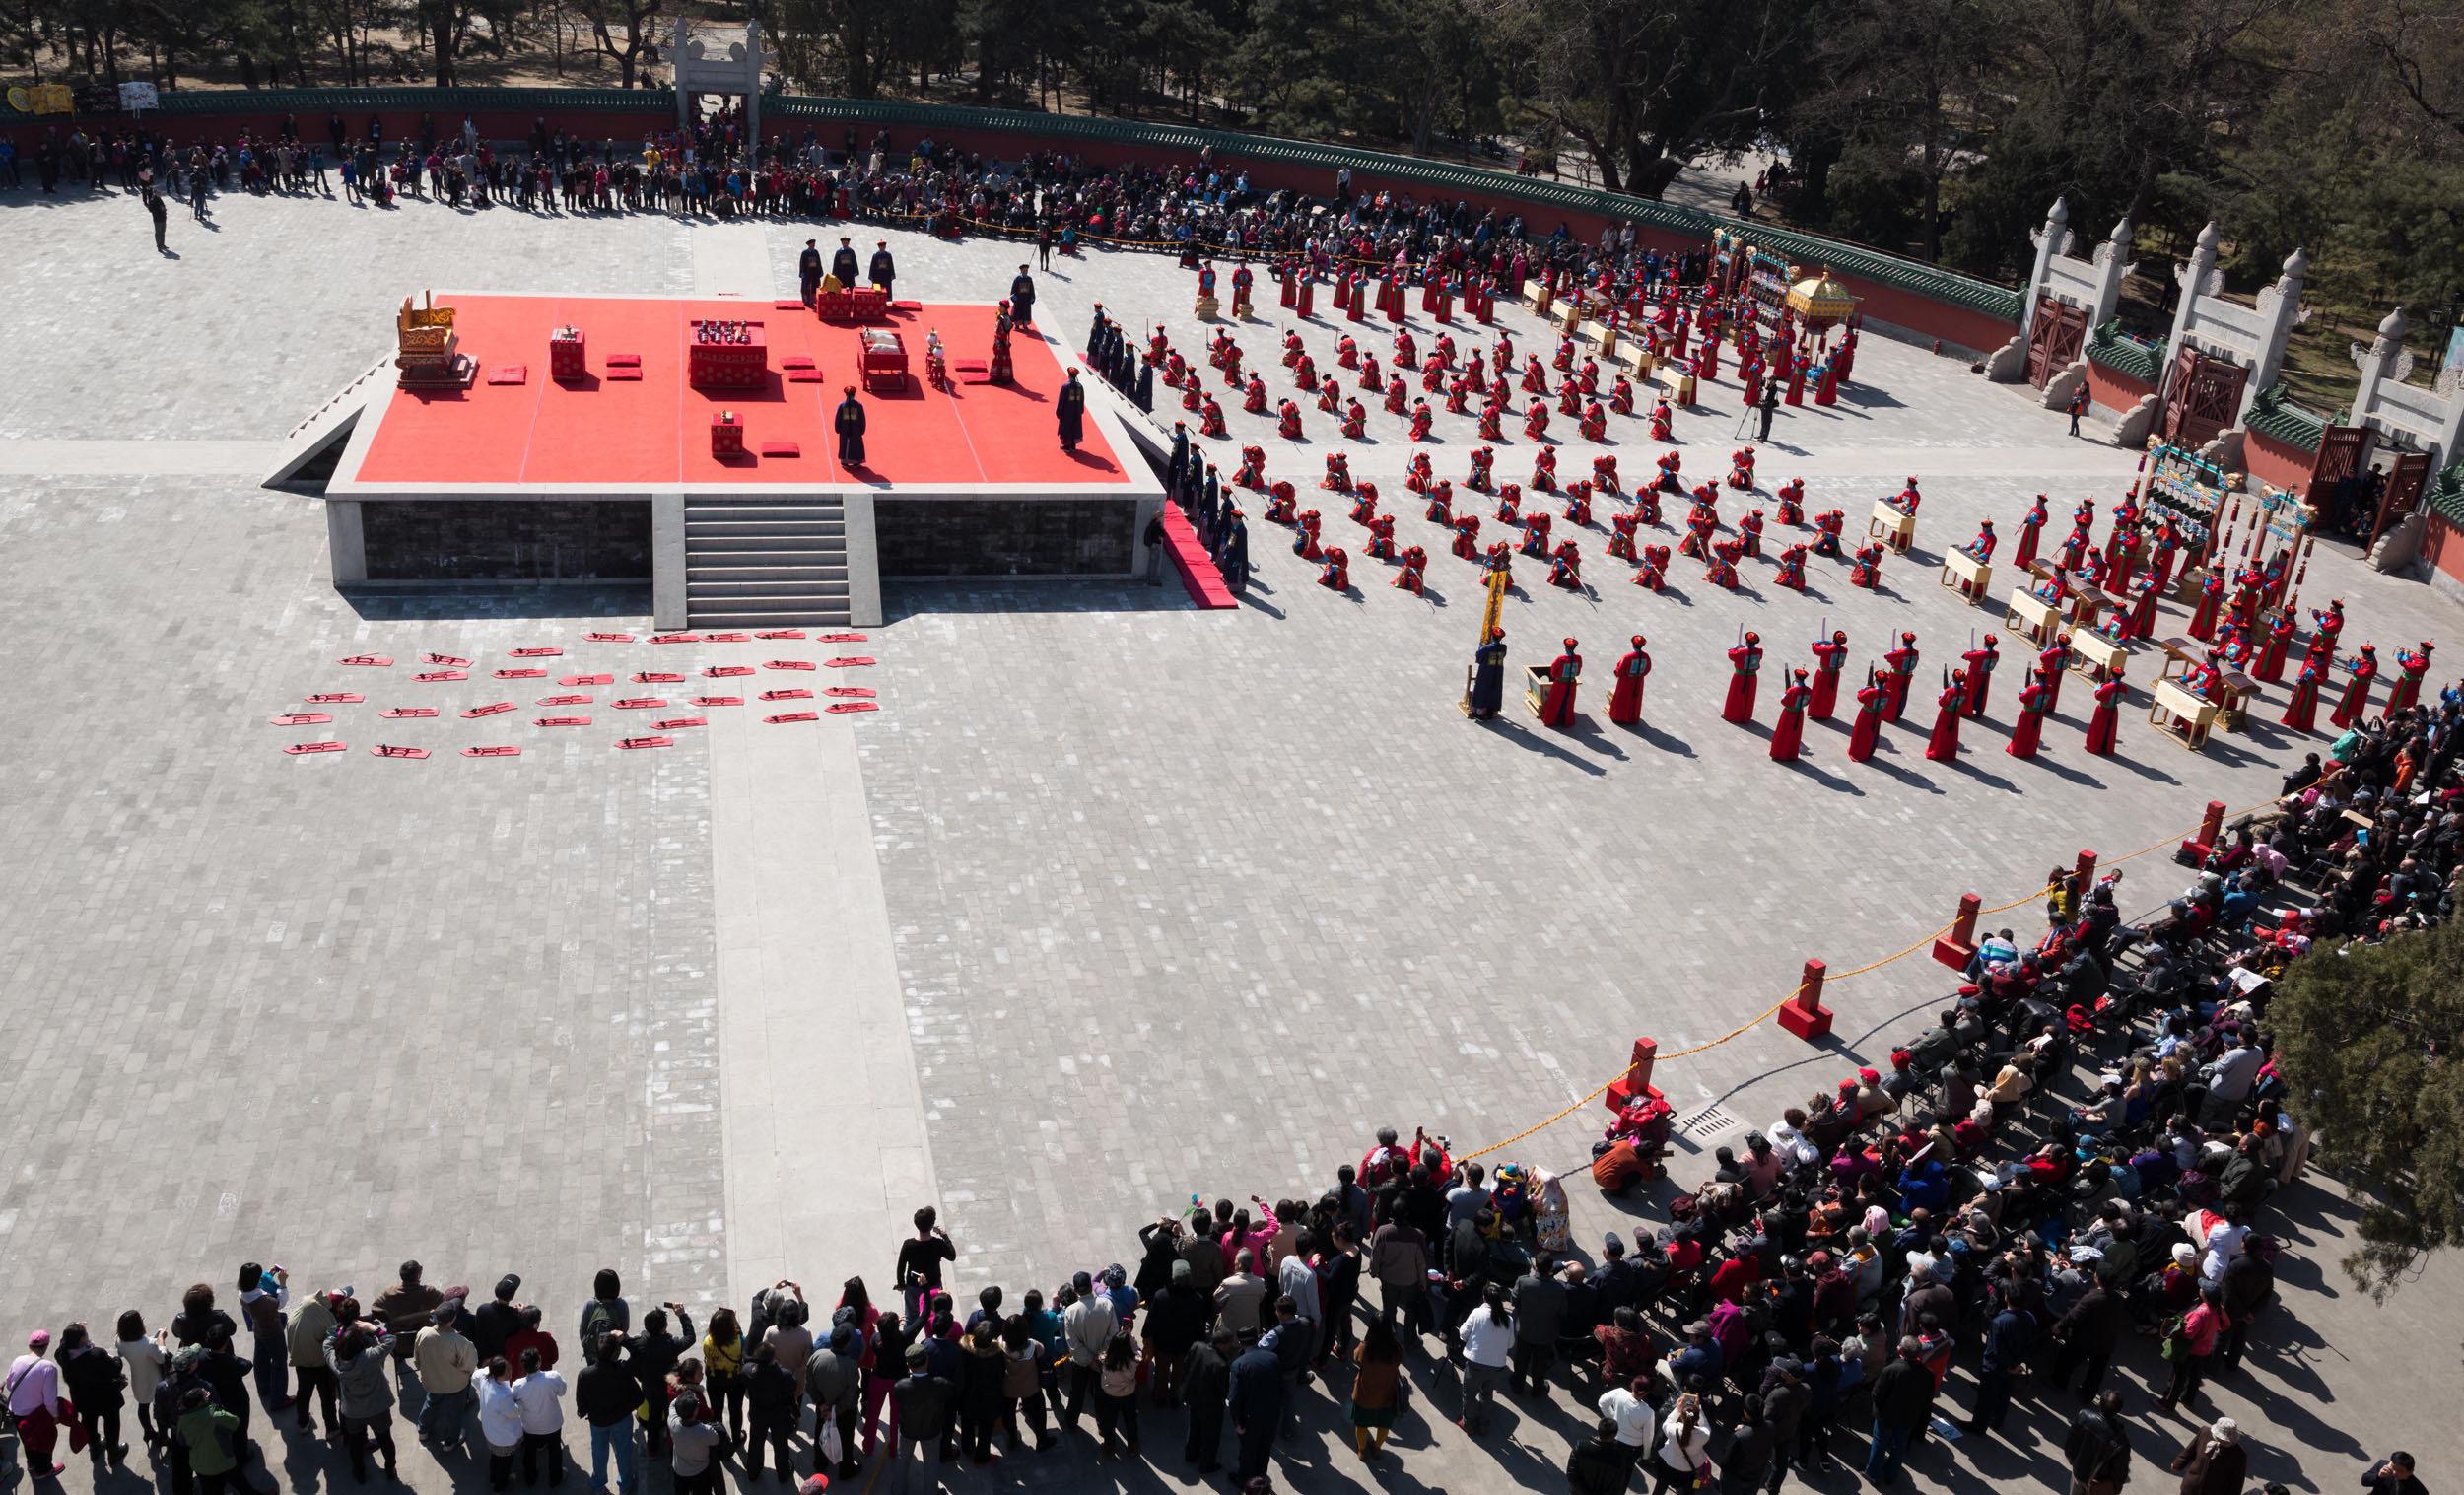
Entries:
{"x":776,"y":561}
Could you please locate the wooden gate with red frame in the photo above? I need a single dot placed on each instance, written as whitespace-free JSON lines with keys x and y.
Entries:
{"x":2342,"y":450}
{"x":2201,"y":398}
{"x":2405,"y":482}
{"x":2054,"y":338}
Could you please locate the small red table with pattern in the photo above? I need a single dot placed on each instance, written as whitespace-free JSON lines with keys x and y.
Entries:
{"x":565,"y":355}
{"x":742,"y":362}
{"x":727,"y":435}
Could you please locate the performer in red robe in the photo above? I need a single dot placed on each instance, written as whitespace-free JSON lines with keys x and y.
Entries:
{"x":1557,"y":706}
{"x":1415,"y":562}
{"x":2210,"y":603}
{"x":1625,"y":700}
{"x":1942,"y":745}
{"x":1830,"y":660}
{"x":1871,"y":700}
{"x":2029,"y":528}
{"x":2357,"y":692}
{"x":1789,"y":732}
{"x":2271,"y":665}
{"x":2411,"y":666}
{"x":2030,"y":730}
{"x":1745,"y":659}
{"x":1902,"y":663}
{"x":1980,"y":663}
{"x":2325,"y":628}
{"x":2053,"y":661}
{"x":2303,"y":710}
{"x":2104,"y":722}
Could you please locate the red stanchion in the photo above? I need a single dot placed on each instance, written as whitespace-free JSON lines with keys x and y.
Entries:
{"x":2086,"y":874}
{"x":2211,"y":827}
{"x":1805,"y":1015}
{"x":1958,"y":947}
{"x":1637,"y":1078}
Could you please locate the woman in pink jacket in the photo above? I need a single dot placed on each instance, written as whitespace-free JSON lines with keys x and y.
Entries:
{"x":2199,"y":1328}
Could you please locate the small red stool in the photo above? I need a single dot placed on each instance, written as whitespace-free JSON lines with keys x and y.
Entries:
{"x":727,"y":436}
{"x":565,"y":355}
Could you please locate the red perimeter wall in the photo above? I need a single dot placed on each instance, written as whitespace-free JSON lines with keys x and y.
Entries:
{"x":2444,"y":547}
{"x":2114,"y":391}
{"x":2272,"y":461}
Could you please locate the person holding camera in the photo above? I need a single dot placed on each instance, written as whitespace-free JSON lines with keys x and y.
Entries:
{"x":919,"y":1269}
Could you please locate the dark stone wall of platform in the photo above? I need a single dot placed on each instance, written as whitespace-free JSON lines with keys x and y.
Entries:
{"x":507,"y":541}
{"x":1018,"y":537}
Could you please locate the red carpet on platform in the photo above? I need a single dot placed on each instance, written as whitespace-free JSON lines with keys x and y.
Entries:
{"x":626,"y":434}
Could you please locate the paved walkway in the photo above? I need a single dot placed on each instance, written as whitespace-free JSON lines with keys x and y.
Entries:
{"x":1113,"y":903}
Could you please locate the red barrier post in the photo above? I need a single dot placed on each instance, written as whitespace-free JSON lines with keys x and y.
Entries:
{"x":1636,"y":1081}
{"x":1805,"y":1015}
{"x":1958,"y":947}
{"x":2211,"y":827}
{"x":2086,"y":872}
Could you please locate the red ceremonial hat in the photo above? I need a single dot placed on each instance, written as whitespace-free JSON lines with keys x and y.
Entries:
{"x":1569,"y":644}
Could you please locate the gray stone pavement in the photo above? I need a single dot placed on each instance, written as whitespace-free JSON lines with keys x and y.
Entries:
{"x":1179,"y":901}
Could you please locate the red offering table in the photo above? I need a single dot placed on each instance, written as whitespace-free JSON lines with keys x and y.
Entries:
{"x":884,"y":359}
{"x":726,"y":356}
{"x":567,"y":358}
{"x":860,"y":303}
{"x":727,"y":435}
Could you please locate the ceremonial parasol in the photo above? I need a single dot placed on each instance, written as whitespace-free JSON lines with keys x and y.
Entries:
{"x":1820,"y":301}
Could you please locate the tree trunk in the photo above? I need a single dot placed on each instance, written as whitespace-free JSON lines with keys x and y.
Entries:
{"x":440,"y":37}
{"x":1932,"y":239}
{"x":247,"y":70}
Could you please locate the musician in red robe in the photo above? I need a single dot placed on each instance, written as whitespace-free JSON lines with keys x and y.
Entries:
{"x":2034,"y":707}
{"x":1625,"y":700}
{"x":2271,"y":665}
{"x":1746,"y":660}
{"x":1830,"y":660}
{"x":2411,"y":666}
{"x":1789,"y":732}
{"x":2325,"y":628}
{"x":2357,"y":692}
{"x":1980,"y":663}
{"x":1942,"y":745}
{"x":2105,"y":722}
{"x":2303,"y":710}
{"x":1902,"y":663}
{"x":2211,"y":604}
{"x":2029,"y":528}
{"x":1557,"y":706}
{"x":1868,"y":730}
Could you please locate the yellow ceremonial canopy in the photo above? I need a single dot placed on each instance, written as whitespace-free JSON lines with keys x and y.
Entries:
{"x":1820,"y":300}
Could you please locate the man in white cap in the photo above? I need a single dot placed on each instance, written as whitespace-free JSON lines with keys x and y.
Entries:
{"x":2213,"y":1461}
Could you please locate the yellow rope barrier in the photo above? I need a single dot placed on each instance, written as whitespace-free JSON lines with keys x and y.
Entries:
{"x":1758,"y":1018}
